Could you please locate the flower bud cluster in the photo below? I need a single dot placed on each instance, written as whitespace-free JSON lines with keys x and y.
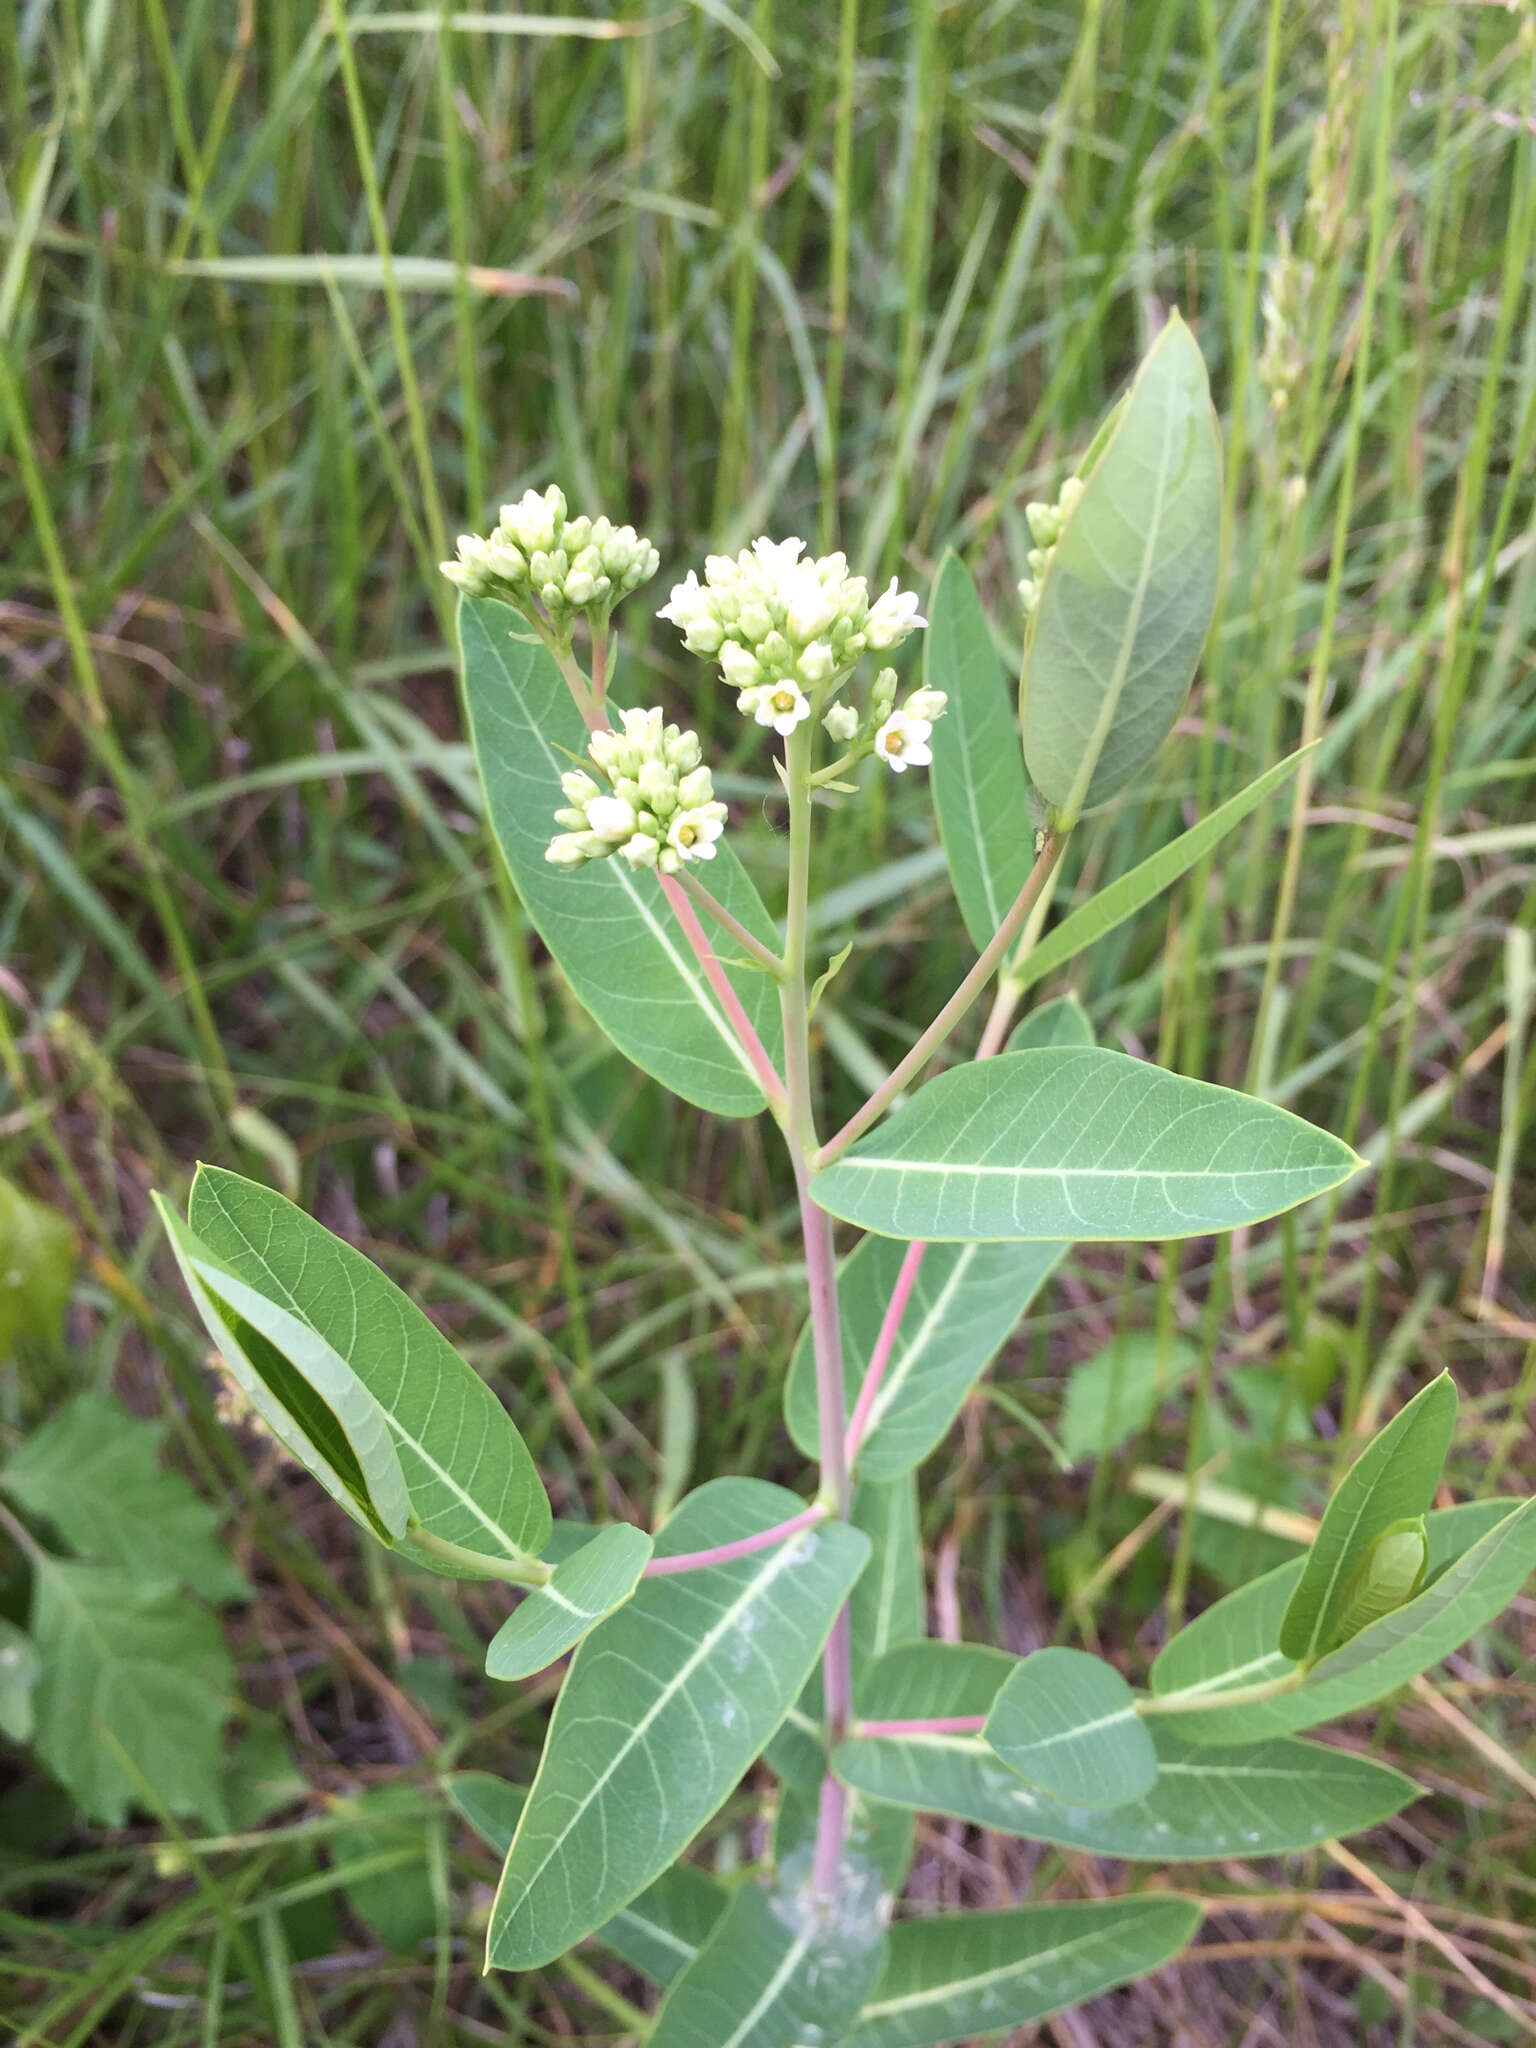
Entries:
{"x":786,"y":629}
{"x":1045,"y":525}
{"x":659,"y":809}
{"x":552,"y":567}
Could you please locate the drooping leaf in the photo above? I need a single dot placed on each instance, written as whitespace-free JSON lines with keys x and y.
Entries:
{"x":1062,"y":1021}
{"x":980,"y":790}
{"x":599,"y":1578}
{"x":1127,"y":600}
{"x":291,"y":1410}
{"x":1394,"y":1477}
{"x":964,"y":1304}
{"x":1114,"y":1395}
{"x":1480,"y":1555}
{"x":777,"y":1969}
{"x":468,"y":1472}
{"x":1260,"y":1800}
{"x":37,"y":1270}
{"x":661,"y":1932}
{"x":1067,"y":1723}
{"x":1077,"y":1143}
{"x":609,"y":927}
{"x":1144,"y":883}
{"x":958,"y":1976}
{"x":93,"y":1471}
{"x":665,"y":1705}
{"x":19,"y":1671}
{"x":136,"y":1686}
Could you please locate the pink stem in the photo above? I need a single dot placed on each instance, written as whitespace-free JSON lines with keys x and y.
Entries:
{"x":719,"y":981}
{"x":831,"y":1824}
{"x":885,"y":1344}
{"x":954,"y":1724}
{"x":696,"y":1560}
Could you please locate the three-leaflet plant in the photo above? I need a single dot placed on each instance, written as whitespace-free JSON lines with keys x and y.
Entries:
{"x":755,"y":1623}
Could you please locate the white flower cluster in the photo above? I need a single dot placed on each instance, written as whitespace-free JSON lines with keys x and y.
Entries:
{"x":535,"y":553}
{"x":898,"y":738}
{"x":1045,"y":525}
{"x":785,"y":626}
{"x":659,"y":810}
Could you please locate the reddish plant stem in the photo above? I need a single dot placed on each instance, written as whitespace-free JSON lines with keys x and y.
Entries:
{"x":885,"y":1344}
{"x":767,"y":1074}
{"x":954,"y":1724}
{"x":831,"y":1826}
{"x":722,"y":1553}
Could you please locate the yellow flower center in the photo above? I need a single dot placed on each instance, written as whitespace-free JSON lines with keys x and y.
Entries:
{"x":686,"y":835}
{"x":894,"y":743}
{"x":783,"y":700}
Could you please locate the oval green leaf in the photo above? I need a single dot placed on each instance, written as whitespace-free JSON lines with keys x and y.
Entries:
{"x":600,"y":1577}
{"x":1264,"y":1799}
{"x":664,"y":1707}
{"x":980,"y":790}
{"x":610,"y":928}
{"x":960,"y":1975}
{"x":964,"y":1304}
{"x":1077,"y":1143}
{"x":1067,"y":1723}
{"x":1393,"y":1478}
{"x":467,"y":1470}
{"x":1480,"y":1555}
{"x":1127,"y":599}
{"x":1063,"y":1021}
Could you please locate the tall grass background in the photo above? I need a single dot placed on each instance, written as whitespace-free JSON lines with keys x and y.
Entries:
{"x":290,"y":295}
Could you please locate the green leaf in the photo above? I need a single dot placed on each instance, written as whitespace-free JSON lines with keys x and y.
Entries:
{"x":1144,"y":883}
{"x":980,"y":790}
{"x":599,"y":1578}
{"x":1480,"y":1555}
{"x":661,"y":1932}
{"x":1393,"y":1478}
{"x":776,"y":1970}
{"x":1062,"y":1021}
{"x":966,"y":1301}
{"x":1127,"y":600}
{"x":665,"y":1705}
{"x":260,"y":1777}
{"x":93,"y":1471}
{"x":610,"y":928}
{"x":1260,"y":1800}
{"x":20,"y":1668}
{"x":889,"y":1603}
{"x":955,"y":1976}
{"x":1067,"y":1723}
{"x":491,"y":1806}
{"x":37,"y":1270}
{"x":470,"y":1477}
{"x":1112,"y":1396}
{"x":657,"y":1933}
{"x":374,"y":1827}
{"x":1077,"y":1143}
{"x":135,"y":1689}
{"x":318,"y":1408}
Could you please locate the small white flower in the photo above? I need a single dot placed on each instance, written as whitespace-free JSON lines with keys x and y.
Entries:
{"x":641,"y":851}
{"x":841,"y":722}
{"x":611,"y":818}
{"x":780,"y":705}
{"x":578,"y":786}
{"x":643,"y":728}
{"x":692,"y":834}
{"x":902,"y":742}
{"x":574,"y":849}
{"x":892,"y":616}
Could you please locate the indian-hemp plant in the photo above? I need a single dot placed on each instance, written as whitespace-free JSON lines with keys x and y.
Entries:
{"x":754,"y":1624}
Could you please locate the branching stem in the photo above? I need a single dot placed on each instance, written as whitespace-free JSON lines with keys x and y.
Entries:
{"x":744,"y":1546}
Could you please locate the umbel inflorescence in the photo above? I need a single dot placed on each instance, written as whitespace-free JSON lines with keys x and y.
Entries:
{"x":787,"y":629}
